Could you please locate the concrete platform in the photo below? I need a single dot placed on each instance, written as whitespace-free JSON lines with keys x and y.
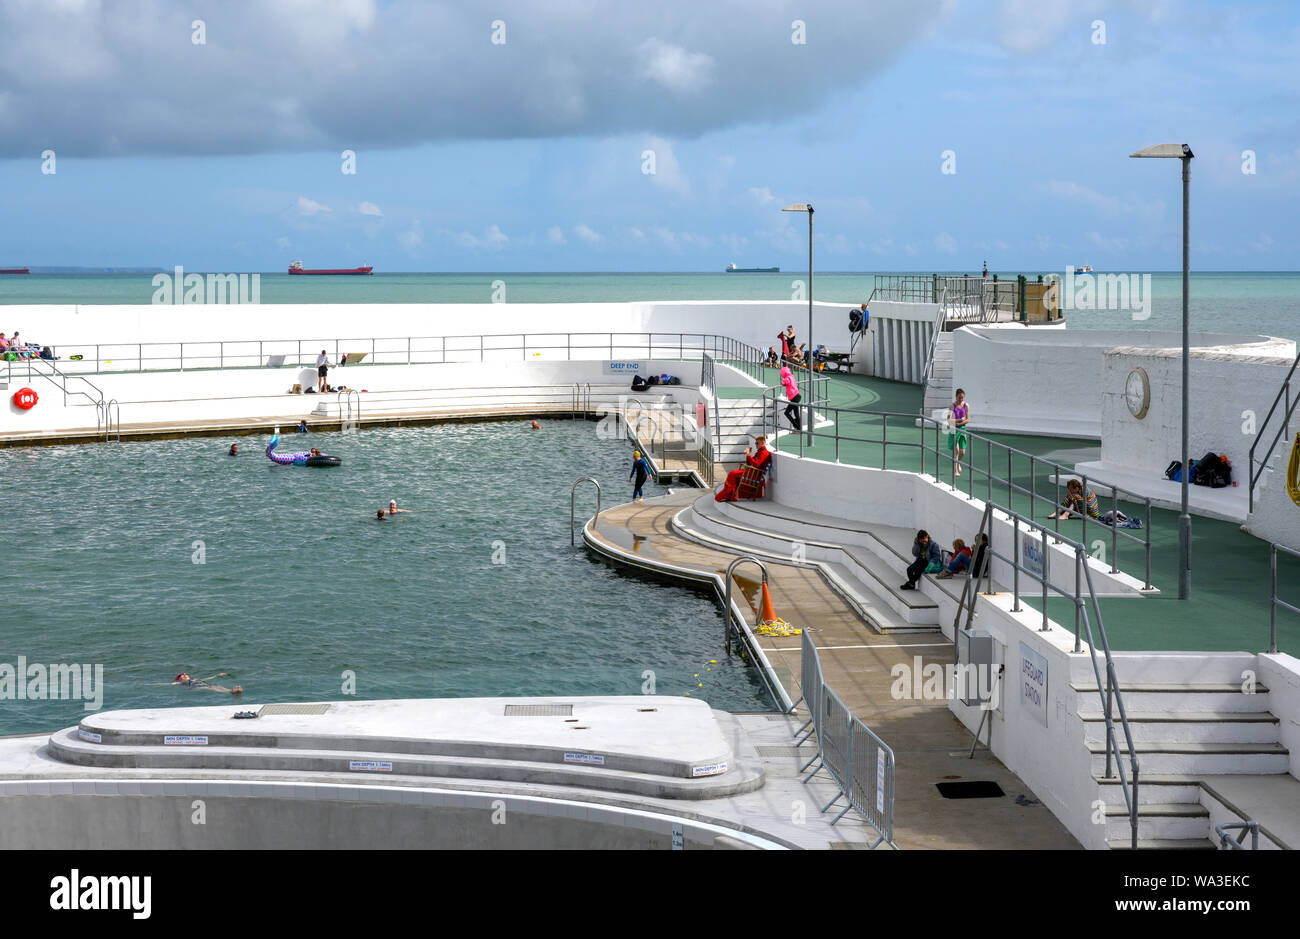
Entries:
{"x":649,"y":745}
{"x":1229,"y":504}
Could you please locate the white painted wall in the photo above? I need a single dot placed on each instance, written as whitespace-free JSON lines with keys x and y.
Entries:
{"x":1280,"y":674}
{"x":1051,"y":380}
{"x":754,"y":321}
{"x":257,"y":393}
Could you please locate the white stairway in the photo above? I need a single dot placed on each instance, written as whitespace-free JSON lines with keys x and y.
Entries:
{"x":1183,"y":731}
{"x":938,"y":390}
{"x":738,"y":422}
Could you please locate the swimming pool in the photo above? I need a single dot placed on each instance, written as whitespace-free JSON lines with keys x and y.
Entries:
{"x":168,"y":556}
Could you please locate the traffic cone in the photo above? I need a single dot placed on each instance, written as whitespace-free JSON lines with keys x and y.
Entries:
{"x":766,"y":612}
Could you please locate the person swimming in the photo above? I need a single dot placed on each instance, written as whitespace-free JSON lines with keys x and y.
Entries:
{"x":380,"y":515}
{"x":393,"y":509}
{"x":183,"y":680}
{"x":234,"y":449}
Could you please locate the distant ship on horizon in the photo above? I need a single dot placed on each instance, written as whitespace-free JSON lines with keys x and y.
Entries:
{"x":15,"y":270}
{"x":732,"y":269}
{"x":297,"y":268}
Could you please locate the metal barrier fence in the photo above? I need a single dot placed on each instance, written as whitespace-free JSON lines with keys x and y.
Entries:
{"x":859,"y":762}
{"x":935,"y":454}
{"x":402,"y":350}
{"x":1274,"y":601}
{"x":1228,"y":843}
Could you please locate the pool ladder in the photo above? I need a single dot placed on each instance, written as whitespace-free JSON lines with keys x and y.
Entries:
{"x":108,"y":418}
{"x":344,"y":399}
{"x":581,"y":399}
{"x":595,"y":520}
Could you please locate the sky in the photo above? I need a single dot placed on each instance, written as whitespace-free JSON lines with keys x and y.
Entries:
{"x":582,"y":135}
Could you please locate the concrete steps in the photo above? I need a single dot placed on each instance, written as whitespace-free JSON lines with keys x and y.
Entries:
{"x":861,"y":579}
{"x":1189,"y":726}
{"x":939,"y":389}
{"x":1168,"y":697}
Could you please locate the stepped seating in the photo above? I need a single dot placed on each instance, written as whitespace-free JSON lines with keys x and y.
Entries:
{"x":863,"y":564}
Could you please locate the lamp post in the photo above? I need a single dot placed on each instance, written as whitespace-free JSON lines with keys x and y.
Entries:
{"x":1180,"y":151}
{"x":807,"y":207}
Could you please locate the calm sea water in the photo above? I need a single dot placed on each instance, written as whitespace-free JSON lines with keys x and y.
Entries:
{"x":300,"y":584}
{"x":1266,"y":303}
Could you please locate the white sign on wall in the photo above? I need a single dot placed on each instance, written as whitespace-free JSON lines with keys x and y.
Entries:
{"x":1032,"y":556}
{"x":625,"y":367}
{"x":1033,"y":684}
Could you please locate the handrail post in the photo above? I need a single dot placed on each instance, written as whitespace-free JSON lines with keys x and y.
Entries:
{"x":1272,"y":599}
{"x":1114,"y":529}
{"x":1015,"y":561}
{"x":1078,"y":600}
{"x":726,"y":612}
{"x":1047,"y":570}
{"x":595,"y":520}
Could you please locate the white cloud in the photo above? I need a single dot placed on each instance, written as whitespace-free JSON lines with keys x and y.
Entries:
{"x":493,"y":239}
{"x":675,"y":68}
{"x":762,"y":194}
{"x":283,"y":243}
{"x":945,"y":242}
{"x":369,"y":208}
{"x":586,"y":234}
{"x":309,"y":207}
{"x":668,"y":172}
{"x":555,"y":235}
{"x":413,"y":237}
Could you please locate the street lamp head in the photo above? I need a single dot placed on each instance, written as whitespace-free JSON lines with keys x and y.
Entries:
{"x":798,"y":207}
{"x":1175,"y":151}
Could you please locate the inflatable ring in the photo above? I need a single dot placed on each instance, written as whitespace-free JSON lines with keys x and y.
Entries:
{"x":1293,"y":472}
{"x":323,"y":459}
{"x":299,"y":457}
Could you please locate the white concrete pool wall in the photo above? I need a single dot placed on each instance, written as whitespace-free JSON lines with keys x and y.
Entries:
{"x":255,"y":393}
{"x":754,"y":321}
{"x":1053,"y":381}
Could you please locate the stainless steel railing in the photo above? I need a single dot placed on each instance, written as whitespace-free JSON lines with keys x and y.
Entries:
{"x":1257,"y":467}
{"x":595,"y":519}
{"x":96,"y":358}
{"x":1274,"y":601}
{"x":933,"y":453}
{"x":1087,"y":612}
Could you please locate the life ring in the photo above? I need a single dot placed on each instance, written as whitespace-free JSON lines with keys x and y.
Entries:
{"x":323,"y":459}
{"x":25,"y":399}
{"x":1293,"y":472}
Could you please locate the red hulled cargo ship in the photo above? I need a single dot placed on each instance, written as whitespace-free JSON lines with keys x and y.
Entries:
{"x":14,"y":270}
{"x":297,"y":268}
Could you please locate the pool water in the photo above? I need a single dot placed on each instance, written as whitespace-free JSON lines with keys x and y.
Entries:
{"x":300,"y":591}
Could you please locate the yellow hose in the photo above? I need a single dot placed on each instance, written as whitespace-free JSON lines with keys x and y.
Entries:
{"x":1293,"y":472}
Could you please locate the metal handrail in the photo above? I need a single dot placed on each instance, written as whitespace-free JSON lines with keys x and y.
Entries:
{"x":940,"y":319}
{"x":595,"y":519}
{"x":727,"y":601}
{"x":109,"y":409}
{"x":58,"y":378}
{"x":1227,"y":842}
{"x":1273,"y":600}
{"x":1256,"y":468}
{"x":407,"y":350}
{"x":1084,"y":598}
{"x":346,"y":396}
{"x":991,"y":478}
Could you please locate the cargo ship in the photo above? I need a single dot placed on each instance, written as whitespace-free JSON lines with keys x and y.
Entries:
{"x":14,"y":270}
{"x":297,"y":268}
{"x":732,"y":269}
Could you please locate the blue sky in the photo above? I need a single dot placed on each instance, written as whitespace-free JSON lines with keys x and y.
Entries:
{"x":528,"y":154}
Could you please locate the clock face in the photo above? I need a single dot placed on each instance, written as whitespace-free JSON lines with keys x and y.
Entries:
{"x":1137,"y":393}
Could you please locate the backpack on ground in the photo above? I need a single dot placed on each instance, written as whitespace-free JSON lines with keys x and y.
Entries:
{"x":639,"y":383}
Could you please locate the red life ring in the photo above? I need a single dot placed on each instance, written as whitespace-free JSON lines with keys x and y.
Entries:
{"x":25,"y":399}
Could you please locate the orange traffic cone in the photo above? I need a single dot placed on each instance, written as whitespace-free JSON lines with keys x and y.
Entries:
{"x":766,"y":612}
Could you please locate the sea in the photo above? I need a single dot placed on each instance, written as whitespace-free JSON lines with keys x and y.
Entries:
{"x":1257,"y":302}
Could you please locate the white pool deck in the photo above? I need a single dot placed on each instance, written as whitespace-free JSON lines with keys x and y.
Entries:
{"x":660,"y":754}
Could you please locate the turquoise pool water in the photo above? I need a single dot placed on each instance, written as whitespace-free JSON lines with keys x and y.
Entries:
{"x":299,"y":584}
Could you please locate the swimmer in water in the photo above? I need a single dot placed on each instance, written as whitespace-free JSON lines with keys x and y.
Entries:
{"x":393,"y":509}
{"x":315,"y":452}
{"x":234,"y":449}
{"x":185,"y":681}
{"x":379,"y":516}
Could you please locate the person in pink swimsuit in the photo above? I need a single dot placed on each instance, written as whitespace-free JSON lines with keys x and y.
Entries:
{"x":958,"y":418}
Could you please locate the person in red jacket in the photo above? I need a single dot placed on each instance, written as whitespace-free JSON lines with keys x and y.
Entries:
{"x":756,"y":456}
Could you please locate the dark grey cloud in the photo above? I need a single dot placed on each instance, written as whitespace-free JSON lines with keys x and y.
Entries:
{"x":124,"y":78}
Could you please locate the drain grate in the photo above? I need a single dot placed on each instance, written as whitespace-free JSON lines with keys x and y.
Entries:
{"x":292,"y":709}
{"x":975,"y":789}
{"x":539,"y":710}
{"x":783,"y":751}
